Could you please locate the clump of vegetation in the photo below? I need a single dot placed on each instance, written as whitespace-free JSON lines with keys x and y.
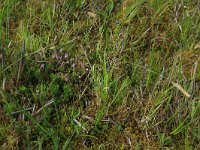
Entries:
{"x":116,"y":74}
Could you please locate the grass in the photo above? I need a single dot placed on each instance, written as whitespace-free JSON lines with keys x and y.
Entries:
{"x":82,"y":74}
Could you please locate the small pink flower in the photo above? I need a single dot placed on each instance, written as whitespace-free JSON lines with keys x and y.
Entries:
{"x":82,"y":65}
{"x":40,"y":53}
{"x":42,"y":67}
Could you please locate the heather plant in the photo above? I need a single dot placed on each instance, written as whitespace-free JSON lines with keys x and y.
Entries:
{"x":116,"y":74}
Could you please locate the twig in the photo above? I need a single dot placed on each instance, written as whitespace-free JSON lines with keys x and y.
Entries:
{"x":79,"y":124}
{"x":87,"y":117}
{"x":129,"y":141}
{"x":47,"y":104}
{"x":181,"y":89}
{"x":19,"y":111}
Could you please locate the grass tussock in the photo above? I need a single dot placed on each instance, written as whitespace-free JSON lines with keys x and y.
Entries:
{"x":117,"y":74}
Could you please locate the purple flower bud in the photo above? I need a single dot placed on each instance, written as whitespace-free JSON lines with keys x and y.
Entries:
{"x":82,"y":65}
{"x":42,"y":67}
{"x":40,"y":53}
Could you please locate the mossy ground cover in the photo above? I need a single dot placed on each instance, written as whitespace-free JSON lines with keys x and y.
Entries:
{"x":115,"y":74}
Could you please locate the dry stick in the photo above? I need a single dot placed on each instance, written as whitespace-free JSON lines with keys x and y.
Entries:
{"x":22,"y":62}
{"x":19,"y":111}
{"x":129,"y":141}
{"x":180,"y":88}
{"x":47,"y":104}
{"x":79,"y":124}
